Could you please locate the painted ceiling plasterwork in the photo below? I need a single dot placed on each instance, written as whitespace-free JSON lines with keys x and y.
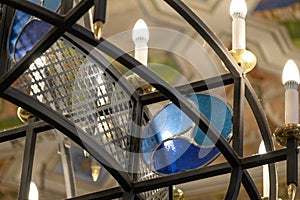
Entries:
{"x":286,"y":13}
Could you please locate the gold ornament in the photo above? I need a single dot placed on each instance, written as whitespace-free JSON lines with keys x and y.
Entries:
{"x":244,"y":58}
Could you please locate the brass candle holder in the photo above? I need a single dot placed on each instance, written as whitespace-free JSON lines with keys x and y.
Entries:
{"x":288,"y":135}
{"x":244,"y":58}
{"x":285,"y":132}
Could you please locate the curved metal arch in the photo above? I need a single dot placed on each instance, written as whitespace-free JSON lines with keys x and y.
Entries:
{"x":262,"y":122}
{"x":69,"y":129}
{"x":235,"y":183}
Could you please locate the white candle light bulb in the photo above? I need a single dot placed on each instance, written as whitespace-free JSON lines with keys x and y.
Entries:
{"x":33,"y":192}
{"x":140,"y":36}
{"x":238,"y":12}
{"x":140,"y":31}
{"x":238,"y":8}
{"x":290,"y":72}
{"x":290,"y":79}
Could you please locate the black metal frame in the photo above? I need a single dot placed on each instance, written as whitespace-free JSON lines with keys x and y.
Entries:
{"x":236,"y":164}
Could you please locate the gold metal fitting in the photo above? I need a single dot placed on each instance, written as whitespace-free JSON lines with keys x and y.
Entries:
{"x":292,"y":191}
{"x":139,"y":83}
{"x":286,"y":131}
{"x":23,"y":115}
{"x":98,"y":28}
{"x":178,"y":194}
{"x":244,"y":58}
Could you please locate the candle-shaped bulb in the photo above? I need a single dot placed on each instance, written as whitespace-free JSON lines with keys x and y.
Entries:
{"x":290,"y":79}
{"x":290,"y":72}
{"x":140,"y":37}
{"x":238,"y":8}
{"x":238,"y":11}
{"x":262,"y":148}
{"x":33,"y":192}
{"x":140,"y":31}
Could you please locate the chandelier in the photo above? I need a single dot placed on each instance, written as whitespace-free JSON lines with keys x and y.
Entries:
{"x":147,"y":132}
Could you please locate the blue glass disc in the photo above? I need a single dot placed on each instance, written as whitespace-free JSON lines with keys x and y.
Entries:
{"x":178,"y":155}
{"x":168,"y":122}
{"x":30,"y":35}
{"x":217,"y":112}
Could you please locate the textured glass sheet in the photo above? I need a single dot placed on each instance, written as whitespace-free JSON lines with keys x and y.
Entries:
{"x":177,"y":155}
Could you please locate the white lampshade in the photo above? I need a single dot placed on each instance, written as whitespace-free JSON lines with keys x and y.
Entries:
{"x":238,"y":7}
{"x":140,"y":31}
{"x":33,"y":192}
{"x":290,"y":72}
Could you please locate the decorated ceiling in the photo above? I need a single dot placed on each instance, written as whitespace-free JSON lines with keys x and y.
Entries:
{"x":285,"y":12}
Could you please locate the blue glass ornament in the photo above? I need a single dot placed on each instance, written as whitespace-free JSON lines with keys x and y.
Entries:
{"x":168,"y":153}
{"x":168,"y":122}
